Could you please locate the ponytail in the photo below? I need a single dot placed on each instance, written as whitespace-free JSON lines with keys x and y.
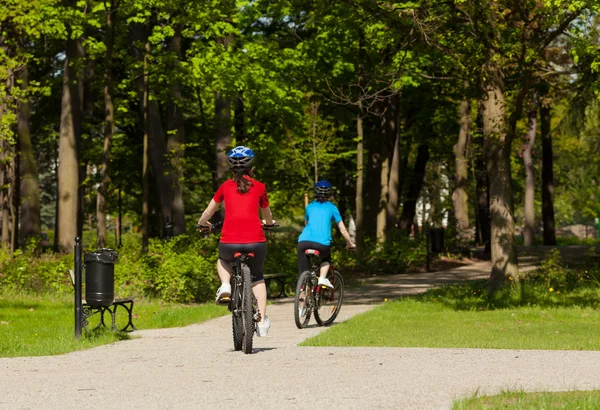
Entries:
{"x":243,"y":184}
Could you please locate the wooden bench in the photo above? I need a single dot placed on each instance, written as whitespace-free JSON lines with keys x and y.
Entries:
{"x":89,"y":310}
{"x":279,"y":280}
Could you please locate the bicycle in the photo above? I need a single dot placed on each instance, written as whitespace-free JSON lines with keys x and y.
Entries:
{"x":242,"y":303}
{"x":311,"y":298}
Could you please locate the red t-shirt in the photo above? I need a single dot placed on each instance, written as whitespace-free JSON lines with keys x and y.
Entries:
{"x":242,"y":223}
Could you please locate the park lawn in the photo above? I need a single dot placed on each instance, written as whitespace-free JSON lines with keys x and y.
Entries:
{"x":579,"y":400}
{"x":415,"y":322}
{"x":40,"y":326}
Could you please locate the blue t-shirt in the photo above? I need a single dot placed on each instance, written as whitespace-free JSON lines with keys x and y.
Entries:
{"x":319,"y":216}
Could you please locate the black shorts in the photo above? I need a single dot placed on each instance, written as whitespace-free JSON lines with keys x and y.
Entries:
{"x":324,"y":253}
{"x":256,"y":264}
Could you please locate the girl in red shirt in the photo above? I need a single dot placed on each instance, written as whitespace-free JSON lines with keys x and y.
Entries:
{"x":242,"y":228}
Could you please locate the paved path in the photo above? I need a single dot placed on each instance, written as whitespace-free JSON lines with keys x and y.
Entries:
{"x":195,"y":368}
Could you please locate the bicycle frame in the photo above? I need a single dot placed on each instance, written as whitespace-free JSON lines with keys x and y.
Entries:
{"x":237,"y":280}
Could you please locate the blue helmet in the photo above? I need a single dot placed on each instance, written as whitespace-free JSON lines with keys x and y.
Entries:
{"x":240,"y":158}
{"x":323,"y":189}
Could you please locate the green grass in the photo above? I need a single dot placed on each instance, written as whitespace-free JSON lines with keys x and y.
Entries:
{"x":580,"y":400}
{"x":39,"y":326}
{"x":467,"y":316}
{"x":411,"y":323}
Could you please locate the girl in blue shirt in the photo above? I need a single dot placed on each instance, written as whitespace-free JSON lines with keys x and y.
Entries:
{"x":318,"y":217}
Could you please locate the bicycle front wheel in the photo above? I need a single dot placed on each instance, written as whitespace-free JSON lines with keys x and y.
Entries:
{"x":247,"y":314}
{"x":302,"y":300}
{"x":329,"y":300}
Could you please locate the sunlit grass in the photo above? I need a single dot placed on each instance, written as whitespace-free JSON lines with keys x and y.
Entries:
{"x":575,"y":400}
{"x":37,"y":326}
{"x":465,"y":316}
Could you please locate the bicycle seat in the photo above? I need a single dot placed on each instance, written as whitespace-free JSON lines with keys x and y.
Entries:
{"x":240,"y":254}
{"x":312,"y":252}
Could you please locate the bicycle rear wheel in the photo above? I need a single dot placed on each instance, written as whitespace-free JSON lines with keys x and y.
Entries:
{"x":329,"y":300}
{"x":302,"y":300}
{"x":236,"y":314}
{"x":247,"y":314}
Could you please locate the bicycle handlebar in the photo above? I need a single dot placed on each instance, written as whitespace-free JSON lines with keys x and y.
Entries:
{"x":218,"y":226}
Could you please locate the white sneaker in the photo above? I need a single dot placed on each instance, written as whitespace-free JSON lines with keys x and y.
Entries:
{"x":325,"y":282}
{"x":262,"y":329}
{"x":224,"y":292}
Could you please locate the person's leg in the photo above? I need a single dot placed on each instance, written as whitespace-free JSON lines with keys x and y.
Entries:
{"x":325,"y":264}
{"x":224,"y":271}
{"x":259,"y":287}
{"x":324,"y":269}
{"x":302,"y":259}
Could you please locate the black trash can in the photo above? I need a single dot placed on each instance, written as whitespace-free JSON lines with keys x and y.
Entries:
{"x":437,"y":239}
{"x":100,"y":277}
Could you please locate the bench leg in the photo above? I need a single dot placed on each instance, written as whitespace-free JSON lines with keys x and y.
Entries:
{"x":112,"y":309}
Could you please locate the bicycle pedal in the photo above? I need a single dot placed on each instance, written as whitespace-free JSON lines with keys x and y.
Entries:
{"x":224,"y":301}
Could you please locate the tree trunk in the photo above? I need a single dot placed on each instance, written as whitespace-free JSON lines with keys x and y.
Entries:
{"x":4,"y":150}
{"x":547,"y":177}
{"x":68,"y":170}
{"x":145,"y":159}
{"x":529,"y":231}
{"x":460,"y":196}
{"x":482,"y":192}
{"x":222,"y":137}
{"x":109,"y":126}
{"x":314,"y":112}
{"x":3,"y":196}
{"x":239,"y":124}
{"x":383,"y":200}
{"x":359,"y":181}
{"x":156,"y":140}
{"x":497,"y":154}
{"x":394,"y":185}
{"x":414,"y":190}
{"x":30,"y":189}
{"x":87,"y":127}
{"x":176,"y":141}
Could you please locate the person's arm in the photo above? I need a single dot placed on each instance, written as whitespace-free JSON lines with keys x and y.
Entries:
{"x":208,"y":213}
{"x":345,"y":234}
{"x":267,"y":215}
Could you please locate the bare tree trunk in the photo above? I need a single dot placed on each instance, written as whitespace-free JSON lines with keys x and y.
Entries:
{"x":547,"y":177}
{"x":30,"y":189}
{"x":359,"y":181}
{"x":414,"y":190}
{"x":315,"y":111}
{"x":497,"y":153}
{"x":176,"y":140}
{"x":394,"y":185}
{"x":238,"y":120}
{"x":435,"y":196}
{"x":3,"y":206}
{"x":460,"y":196}
{"x":480,"y":175}
{"x":4,"y":168}
{"x":109,"y":125}
{"x":157,"y":147}
{"x":222,"y":137}
{"x":145,"y":159}
{"x":13,"y":199}
{"x":68,"y":170}
{"x":529,"y":231}
{"x":388,"y":176}
{"x":383,"y":199}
